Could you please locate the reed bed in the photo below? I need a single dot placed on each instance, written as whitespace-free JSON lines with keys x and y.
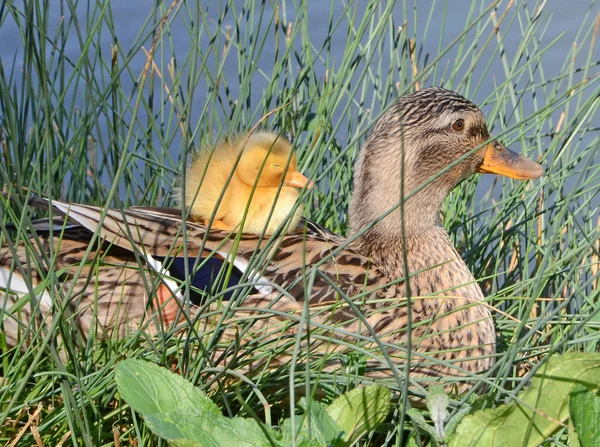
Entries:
{"x":91,"y":112}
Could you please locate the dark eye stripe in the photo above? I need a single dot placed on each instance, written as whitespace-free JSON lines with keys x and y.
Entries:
{"x":479,"y":130}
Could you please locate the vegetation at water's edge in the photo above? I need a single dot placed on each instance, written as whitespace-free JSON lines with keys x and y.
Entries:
{"x":565,"y":386}
{"x":112,"y":125}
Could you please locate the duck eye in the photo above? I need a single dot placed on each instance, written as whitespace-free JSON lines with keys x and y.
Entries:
{"x":458,"y":125}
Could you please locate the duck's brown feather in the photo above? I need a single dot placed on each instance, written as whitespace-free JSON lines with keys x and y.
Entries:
{"x":396,"y":290}
{"x":445,"y":324}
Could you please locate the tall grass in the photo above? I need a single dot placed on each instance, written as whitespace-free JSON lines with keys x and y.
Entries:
{"x":91,"y":113}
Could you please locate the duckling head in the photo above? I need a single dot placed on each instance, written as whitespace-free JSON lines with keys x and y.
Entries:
{"x":259,"y":195}
{"x":268,"y":160}
{"x":421,"y":135}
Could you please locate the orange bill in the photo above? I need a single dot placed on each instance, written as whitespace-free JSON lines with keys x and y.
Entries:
{"x":499,"y":160}
{"x":298,"y":180}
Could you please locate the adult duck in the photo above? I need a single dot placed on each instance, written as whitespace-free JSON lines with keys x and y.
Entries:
{"x":351,"y":293}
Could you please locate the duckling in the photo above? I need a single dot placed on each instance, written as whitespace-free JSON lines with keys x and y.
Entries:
{"x":260,"y":193}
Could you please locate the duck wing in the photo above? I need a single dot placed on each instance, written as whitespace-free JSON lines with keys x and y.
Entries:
{"x":105,"y":289}
{"x":309,"y":264}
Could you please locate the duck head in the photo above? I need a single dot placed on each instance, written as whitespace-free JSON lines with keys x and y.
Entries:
{"x":421,"y":135}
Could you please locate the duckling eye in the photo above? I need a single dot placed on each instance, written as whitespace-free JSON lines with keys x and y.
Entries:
{"x":458,"y":125}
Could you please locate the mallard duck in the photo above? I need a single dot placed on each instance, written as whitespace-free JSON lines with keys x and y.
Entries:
{"x":353,"y":290}
{"x":250,"y":182}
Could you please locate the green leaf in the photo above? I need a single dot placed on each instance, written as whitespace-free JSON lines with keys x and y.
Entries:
{"x":179,"y":412}
{"x":361,"y":410}
{"x":322,"y":426}
{"x":412,"y":442}
{"x":323,"y":430}
{"x":585,"y":414}
{"x":150,"y":389}
{"x":454,"y":420}
{"x":207,"y":429}
{"x":420,"y":421}
{"x":184,"y":443}
{"x":537,"y":412}
{"x":309,"y":443}
{"x":437,"y":403}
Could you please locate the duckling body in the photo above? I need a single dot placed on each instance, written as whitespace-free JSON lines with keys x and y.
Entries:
{"x":249,"y":183}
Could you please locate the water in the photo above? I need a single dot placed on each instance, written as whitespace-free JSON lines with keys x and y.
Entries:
{"x":424,"y":21}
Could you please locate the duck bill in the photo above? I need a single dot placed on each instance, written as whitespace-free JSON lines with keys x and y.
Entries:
{"x":499,"y":160}
{"x":297,"y":180}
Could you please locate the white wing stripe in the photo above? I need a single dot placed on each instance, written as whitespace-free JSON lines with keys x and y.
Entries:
{"x":14,"y":283}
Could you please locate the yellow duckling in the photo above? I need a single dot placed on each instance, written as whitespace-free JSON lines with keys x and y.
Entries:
{"x":260,"y":184}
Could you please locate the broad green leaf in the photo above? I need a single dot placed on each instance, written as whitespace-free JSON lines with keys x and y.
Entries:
{"x":308,"y":443}
{"x":585,"y":415}
{"x":361,"y":410}
{"x":322,"y":426}
{"x":150,"y":389}
{"x":537,"y":412}
{"x":177,"y":411}
{"x":207,"y":429}
{"x":323,"y":430}
{"x":184,"y":443}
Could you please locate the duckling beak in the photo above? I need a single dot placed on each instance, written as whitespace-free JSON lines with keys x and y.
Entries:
{"x":298,"y":180}
{"x":499,"y":160}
